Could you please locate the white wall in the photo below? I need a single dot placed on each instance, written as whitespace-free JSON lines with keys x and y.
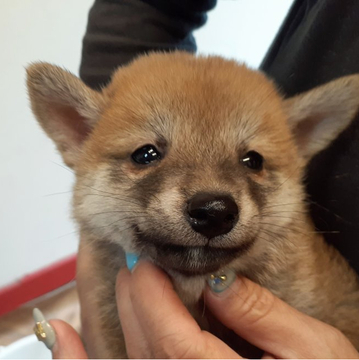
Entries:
{"x":242,"y":29}
{"x":35,"y":229}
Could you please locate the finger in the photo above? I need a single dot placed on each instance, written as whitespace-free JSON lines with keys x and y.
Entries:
{"x":267,"y":356}
{"x":168,"y":326}
{"x":268,"y":323}
{"x":68,"y":344}
{"x":136,"y":343}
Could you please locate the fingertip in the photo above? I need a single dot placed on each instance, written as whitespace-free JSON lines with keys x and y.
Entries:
{"x":268,"y":356}
{"x":221,"y":284}
{"x":149,"y":278}
{"x":242,"y":300}
{"x":148,"y":268}
{"x":68,"y":344}
{"x":123,"y":274}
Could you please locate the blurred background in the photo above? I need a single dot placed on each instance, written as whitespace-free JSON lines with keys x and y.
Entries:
{"x":37,"y":235}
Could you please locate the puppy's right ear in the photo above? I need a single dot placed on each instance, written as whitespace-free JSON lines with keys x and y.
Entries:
{"x":64,"y":106}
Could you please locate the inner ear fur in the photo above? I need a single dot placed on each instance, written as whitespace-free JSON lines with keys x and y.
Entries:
{"x":64,"y":106}
{"x":318,"y":116}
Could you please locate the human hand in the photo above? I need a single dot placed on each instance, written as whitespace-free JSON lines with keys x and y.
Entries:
{"x":157,"y":325}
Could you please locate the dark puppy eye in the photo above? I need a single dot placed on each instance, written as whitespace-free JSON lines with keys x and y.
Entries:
{"x":253,"y":160}
{"x":146,"y":155}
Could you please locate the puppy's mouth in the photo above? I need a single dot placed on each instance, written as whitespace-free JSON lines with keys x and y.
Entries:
{"x":194,"y":260}
{"x":190,"y":260}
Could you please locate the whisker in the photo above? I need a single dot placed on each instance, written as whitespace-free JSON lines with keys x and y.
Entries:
{"x":103,"y":191}
{"x":121,"y":219}
{"x":118,"y":212}
{"x":330,"y":212}
{"x":290,"y":175}
{"x":274,"y":235}
{"x":285,"y":204}
{"x":282,"y":217}
{"x":58,"y":193}
{"x":301,"y":232}
{"x":326,"y":232}
{"x":283,"y":211}
{"x":64,"y":167}
{"x":61,"y":236}
{"x":292,"y":228}
{"x":114,"y":198}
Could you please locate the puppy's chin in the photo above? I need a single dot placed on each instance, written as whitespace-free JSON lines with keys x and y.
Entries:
{"x":189,"y":289}
{"x":190,"y":261}
{"x":194,"y":261}
{"x":189,"y":266}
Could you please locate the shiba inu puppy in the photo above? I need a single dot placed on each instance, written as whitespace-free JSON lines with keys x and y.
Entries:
{"x":196,"y":163}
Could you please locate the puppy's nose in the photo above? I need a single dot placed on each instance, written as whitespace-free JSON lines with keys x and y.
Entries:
{"x":212,"y":214}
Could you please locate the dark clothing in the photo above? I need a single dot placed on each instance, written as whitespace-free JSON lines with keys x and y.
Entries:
{"x":119,"y":30}
{"x":318,"y":42}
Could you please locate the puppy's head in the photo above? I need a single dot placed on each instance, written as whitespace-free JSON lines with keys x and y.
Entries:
{"x":192,"y":162}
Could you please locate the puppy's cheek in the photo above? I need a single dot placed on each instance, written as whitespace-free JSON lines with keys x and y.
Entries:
{"x":106,"y":209}
{"x":166,"y":213}
{"x":248,"y":208}
{"x":171,"y":203}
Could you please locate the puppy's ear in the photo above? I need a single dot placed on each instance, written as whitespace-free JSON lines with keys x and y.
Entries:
{"x":318,"y":116}
{"x":64,"y":106}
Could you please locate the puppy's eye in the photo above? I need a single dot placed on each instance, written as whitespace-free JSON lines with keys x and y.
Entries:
{"x":146,"y":155}
{"x":253,"y":160}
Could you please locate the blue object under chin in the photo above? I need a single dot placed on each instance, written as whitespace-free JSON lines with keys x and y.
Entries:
{"x":131,"y":260}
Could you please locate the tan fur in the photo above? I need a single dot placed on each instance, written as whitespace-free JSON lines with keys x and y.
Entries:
{"x":62,"y":97}
{"x":204,"y":115}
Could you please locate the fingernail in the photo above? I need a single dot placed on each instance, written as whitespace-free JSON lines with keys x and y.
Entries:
{"x":220,"y":281}
{"x":131,"y":260}
{"x":43,"y":330}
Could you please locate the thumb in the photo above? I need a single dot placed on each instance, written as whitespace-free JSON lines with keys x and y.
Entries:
{"x":265,"y":321}
{"x":68,"y":344}
{"x":59,"y":337}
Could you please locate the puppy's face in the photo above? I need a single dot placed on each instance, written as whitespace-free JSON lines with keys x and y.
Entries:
{"x":189,"y":155}
{"x":195,"y":163}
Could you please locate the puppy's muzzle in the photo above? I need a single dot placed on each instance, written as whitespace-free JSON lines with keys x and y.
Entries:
{"x":212,"y":214}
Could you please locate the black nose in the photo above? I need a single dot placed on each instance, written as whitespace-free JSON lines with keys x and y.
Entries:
{"x":212,"y":214}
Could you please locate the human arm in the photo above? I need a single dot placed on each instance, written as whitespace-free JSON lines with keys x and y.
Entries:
{"x":118,"y":31}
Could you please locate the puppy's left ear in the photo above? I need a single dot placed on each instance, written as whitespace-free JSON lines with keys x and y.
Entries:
{"x":318,"y":116}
